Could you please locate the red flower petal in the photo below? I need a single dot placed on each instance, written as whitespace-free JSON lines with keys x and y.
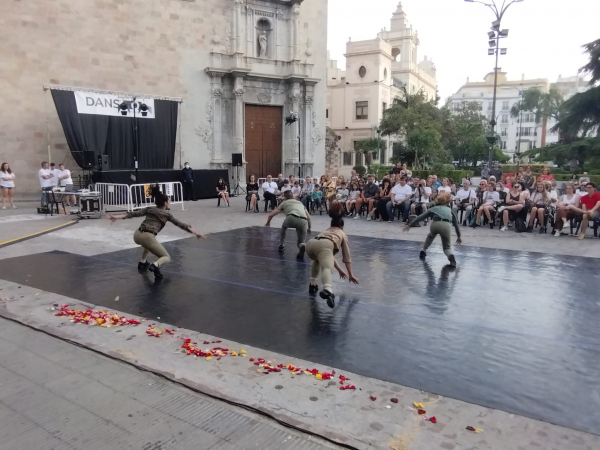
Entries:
{"x":470,"y":428}
{"x":421,"y":411}
{"x":394,"y":400}
{"x":433,"y":419}
{"x":373,"y":398}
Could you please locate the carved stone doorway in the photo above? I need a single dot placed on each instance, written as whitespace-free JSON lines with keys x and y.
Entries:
{"x":263,"y":137}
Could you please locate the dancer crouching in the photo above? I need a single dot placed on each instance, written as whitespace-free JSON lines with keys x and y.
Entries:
{"x":145,"y":235}
{"x":442,"y":220}
{"x":296,"y":216}
{"x":322,"y":250}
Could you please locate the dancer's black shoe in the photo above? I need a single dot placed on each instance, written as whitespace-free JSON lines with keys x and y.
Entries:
{"x":313,"y":289}
{"x":422,"y":255}
{"x":281,"y":247}
{"x":452,"y":260}
{"x":326,"y":295}
{"x":143,"y":266}
{"x":156,"y":270}
{"x":301,"y":252}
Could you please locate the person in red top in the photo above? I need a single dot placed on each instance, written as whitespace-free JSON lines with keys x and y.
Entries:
{"x":546,"y":175}
{"x":590,"y":208}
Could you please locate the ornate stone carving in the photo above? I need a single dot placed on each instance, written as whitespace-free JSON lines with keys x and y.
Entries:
{"x":228,"y":40}
{"x":316,"y":133}
{"x":308,"y":99}
{"x":264,"y":97}
{"x":296,"y":10}
{"x":262,"y":42}
{"x":264,"y":13}
{"x":294,"y":98}
{"x":308,"y":51}
{"x":205,"y":131}
{"x":239,"y":92}
{"x":217,"y":92}
{"x":216,"y":40}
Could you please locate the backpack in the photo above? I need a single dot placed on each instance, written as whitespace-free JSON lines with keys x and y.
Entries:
{"x":520,"y":226}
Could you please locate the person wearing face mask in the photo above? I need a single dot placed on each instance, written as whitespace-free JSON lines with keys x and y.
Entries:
{"x":187,"y":178}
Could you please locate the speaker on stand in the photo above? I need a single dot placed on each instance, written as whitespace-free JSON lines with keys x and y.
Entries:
{"x":236,"y":163}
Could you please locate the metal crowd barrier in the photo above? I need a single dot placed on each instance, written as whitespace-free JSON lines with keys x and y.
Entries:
{"x":141,"y":194}
{"x":114,"y":195}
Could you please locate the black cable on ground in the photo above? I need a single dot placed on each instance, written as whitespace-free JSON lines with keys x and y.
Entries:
{"x":198,"y":391}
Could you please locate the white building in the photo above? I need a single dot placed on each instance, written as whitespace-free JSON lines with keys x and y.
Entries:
{"x":509,"y":94}
{"x":375,"y":71}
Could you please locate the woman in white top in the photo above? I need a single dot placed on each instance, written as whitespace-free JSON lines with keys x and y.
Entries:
{"x":540,"y":200}
{"x":7,"y":185}
{"x":445,"y":187}
{"x":490,"y":198}
{"x":567,"y":205}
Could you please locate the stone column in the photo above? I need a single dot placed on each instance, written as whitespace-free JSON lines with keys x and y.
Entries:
{"x":295,"y":97}
{"x":295,"y":28}
{"x":238,"y":91}
{"x":216,"y":94}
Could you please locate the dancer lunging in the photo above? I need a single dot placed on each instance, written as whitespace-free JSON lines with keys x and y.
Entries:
{"x":442,"y":220}
{"x":322,"y":250}
{"x":145,"y":235}
{"x":296,"y":216}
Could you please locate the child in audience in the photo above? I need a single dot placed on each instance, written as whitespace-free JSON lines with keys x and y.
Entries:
{"x":342,"y":193}
{"x":317,"y":196}
{"x":296,"y":190}
{"x":352,"y":197}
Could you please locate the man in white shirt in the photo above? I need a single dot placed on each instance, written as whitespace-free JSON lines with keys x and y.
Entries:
{"x":401,"y":194}
{"x":422,"y":194}
{"x":582,"y":190}
{"x":270,"y":192}
{"x":54,"y":171}
{"x":45,"y":177}
{"x":464,"y":200}
{"x":65,"y":180}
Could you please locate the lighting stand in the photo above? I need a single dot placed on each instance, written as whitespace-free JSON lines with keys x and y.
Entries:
{"x":238,"y":188}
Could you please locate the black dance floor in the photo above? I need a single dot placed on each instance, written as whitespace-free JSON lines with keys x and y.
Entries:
{"x":509,"y":330}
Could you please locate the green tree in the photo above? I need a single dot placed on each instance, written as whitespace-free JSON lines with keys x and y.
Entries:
{"x":467,"y":140}
{"x":545,"y":105}
{"x":427,"y":146}
{"x":593,"y":67}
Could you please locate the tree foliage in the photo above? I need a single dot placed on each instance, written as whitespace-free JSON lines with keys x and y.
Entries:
{"x":593,"y":67}
{"x":545,"y":105}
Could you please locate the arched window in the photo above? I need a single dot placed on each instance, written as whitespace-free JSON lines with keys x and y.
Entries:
{"x":362,"y":72}
{"x":385,"y":74}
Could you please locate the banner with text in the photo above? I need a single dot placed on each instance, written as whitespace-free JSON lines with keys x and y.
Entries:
{"x":114,"y":105}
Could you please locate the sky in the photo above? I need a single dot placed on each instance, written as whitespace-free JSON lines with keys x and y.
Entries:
{"x":544,"y":41}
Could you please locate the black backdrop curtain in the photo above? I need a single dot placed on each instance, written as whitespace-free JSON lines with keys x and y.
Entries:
{"x":114,"y":136}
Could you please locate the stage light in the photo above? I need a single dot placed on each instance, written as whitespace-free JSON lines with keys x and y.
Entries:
{"x":144,"y":109}
{"x":503,"y":33}
{"x":503,"y":51}
{"x":124,"y":108}
{"x":491,"y":35}
{"x":496,"y":25}
{"x":492,"y":43}
{"x":491,"y":51}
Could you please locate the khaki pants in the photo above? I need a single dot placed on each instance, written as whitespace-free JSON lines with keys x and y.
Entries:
{"x":301,"y":226}
{"x":321,"y":253}
{"x":151,"y":245}
{"x":444,"y":229}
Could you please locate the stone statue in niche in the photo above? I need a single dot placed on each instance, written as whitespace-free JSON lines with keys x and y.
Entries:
{"x":262,"y":42}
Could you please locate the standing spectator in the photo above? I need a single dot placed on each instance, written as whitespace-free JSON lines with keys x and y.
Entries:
{"x":400,"y":197}
{"x":590,"y":208}
{"x":270,"y":191}
{"x":352,"y":197}
{"x":252,"y":194}
{"x":45,"y":177}
{"x":584,"y":178}
{"x":567,"y":205}
{"x":307,"y":189}
{"x":368,"y":196}
{"x":385,"y":191}
{"x":464,"y":200}
{"x":514,"y":205}
{"x":397,"y":168}
{"x":222,"y":190}
{"x":490,"y":198}
{"x":496,"y":172}
{"x":66,"y":181}
{"x":546,"y":175}
{"x":7,"y":185}
{"x":187,"y":178}
{"x":485,"y":172}
{"x":421,"y":198}
{"x":54,"y":179}
{"x":540,"y":201}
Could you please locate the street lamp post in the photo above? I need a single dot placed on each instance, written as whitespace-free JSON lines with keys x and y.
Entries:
{"x":494,"y":40}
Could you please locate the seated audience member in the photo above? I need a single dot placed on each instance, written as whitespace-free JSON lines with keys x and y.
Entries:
{"x":352,"y":197}
{"x":270,"y":190}
{"x":582,"y":190}
{"x":445,"y":187}
{"x":317,"y":196}
{"x":307,"y":189}
{"x":397,"y":168}
{"x":385,"y":191}
{"x":292,"y":180}
{"x":342,"y":193}
{"x":279,"y":181}
{"x":490,"y":199}
{"x":421,"y":198}
{"x":540,"y":202}
{"x":405,"y":171}
{"x":453,"y":187}
{"x":590,"y":208}
{"x":546,"y":175}
{"x":528,"y":177}
{"x":500,"y":188}
{"x":433,"y":194}
{"x":368,"y":197}
{"x":550,"y":187}
{"x":434,"y":182}
{"x":296,"y":191}
{"x":413,"y":182}
{"x":252,"y":194}
{"x":464,"y":200}
{"x":514,"y":204}
{"x":222,"y":190}
{"x":400,"y":197}
{"x":567,"y":205}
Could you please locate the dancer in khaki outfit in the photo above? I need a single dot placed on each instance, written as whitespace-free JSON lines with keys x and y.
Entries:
{"x":296,"y":216}
{"x":145,"y":235}
{"x":322,"y":250}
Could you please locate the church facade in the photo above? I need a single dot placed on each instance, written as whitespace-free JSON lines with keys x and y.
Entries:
{"x":239,"y":67}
